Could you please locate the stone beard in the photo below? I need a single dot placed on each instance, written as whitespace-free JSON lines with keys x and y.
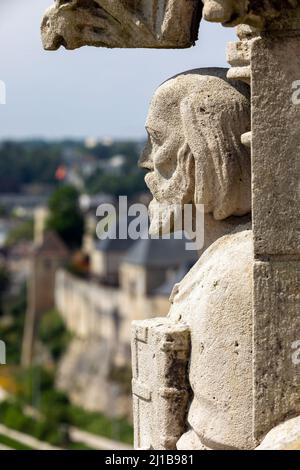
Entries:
{"x":194,"y":155}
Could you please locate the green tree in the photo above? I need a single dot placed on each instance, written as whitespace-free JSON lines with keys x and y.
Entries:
{"x":23,"y":231}
{"x":65,"y":216}
{"x":4,"y":285}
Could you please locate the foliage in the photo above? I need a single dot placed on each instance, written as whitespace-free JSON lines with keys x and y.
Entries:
{"x":129,"y":149}
{"x":31,"y":162}
{"x":65,"y":216}
{"x":27,"y":162}
{"x":96,"y":423}
{"x":23,"y":231}
{"x":12,"y":416}
{"x":131,"y":179}
{"x":123,"y":376}
{"x":36,"y":388}
{"x":12,"y":444}
{"x":53,"y":333}
{"x":124,"y":185}
{"x":4,"y":284}
{"x":12,"y":331}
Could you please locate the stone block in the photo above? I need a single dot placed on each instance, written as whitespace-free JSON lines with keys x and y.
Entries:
{"x":160,"y":353}
{"x":275,"y":66}
{"x":276,"y":343}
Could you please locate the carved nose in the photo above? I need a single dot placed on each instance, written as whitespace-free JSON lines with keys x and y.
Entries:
{"x":146,"y":160}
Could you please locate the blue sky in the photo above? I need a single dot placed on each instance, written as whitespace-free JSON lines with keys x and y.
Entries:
{"x":88,"y":92}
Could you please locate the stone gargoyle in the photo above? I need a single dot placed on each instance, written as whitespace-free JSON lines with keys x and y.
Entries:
{"x":121,"y":23}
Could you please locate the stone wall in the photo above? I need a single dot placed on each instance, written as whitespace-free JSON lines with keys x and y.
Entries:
{"x":86,"y":307}
{"x":96,"y":353}
{"x":99,"y":318}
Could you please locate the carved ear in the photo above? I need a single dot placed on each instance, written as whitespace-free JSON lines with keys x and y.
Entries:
{"x":196,"y":125}
{"x":213,"y":121}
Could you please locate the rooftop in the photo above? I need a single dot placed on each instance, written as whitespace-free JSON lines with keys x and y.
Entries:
{"x":160,"y":253}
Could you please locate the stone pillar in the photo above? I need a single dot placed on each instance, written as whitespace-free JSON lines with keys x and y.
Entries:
{"x":275,"y":70}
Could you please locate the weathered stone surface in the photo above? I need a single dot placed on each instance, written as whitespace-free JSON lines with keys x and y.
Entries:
{"x":275,"y":146}
{"x":246,"y":139}
{"x":286,"y":436}
{"x":194,"y":152}
{"x":275,"y":69}
{"x":276,"y":333}
{"x":215,"y":300}
{"x":195,"y":155}
{"x":121,"y":23}
{"x":258,"y":14}
{"x":160,"y":353}
{"x":239,"y":55}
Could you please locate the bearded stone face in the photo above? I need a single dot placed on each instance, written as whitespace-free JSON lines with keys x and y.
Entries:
{"x":168,"y":159}
{"x":194,"y":153}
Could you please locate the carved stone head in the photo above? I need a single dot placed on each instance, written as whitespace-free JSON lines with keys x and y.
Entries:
{"x":121,"y":23}
{"x":194,"y":152}
{"x":225,"y":11}
{"x":252,"y":12}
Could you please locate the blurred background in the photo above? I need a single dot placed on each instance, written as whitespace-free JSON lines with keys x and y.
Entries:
{"x":71,"y":133}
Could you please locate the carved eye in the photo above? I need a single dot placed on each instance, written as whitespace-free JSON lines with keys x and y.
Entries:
{"x":155,"y":135}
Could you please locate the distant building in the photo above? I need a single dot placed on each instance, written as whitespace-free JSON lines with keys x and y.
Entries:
{"x":127,"y":280}
{"x":46,"y":259}
{"x":148,"y":265}
{"x":115,"y":164}
{"x":108,"y":254}
{"x":40,"y":216}
{"x":88,"y":205}
{"x":24,"y":204}
{"x":18,"y":261}
{"x":106,"y":259}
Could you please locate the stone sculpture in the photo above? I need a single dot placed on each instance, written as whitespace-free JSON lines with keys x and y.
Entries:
{"x":148,"y":23}
{"x":257,"y":14}
{"x":195,"y":156}
{"x":241,"y":367}
{"x":194,"y":116}
{"x":121,"y":23}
